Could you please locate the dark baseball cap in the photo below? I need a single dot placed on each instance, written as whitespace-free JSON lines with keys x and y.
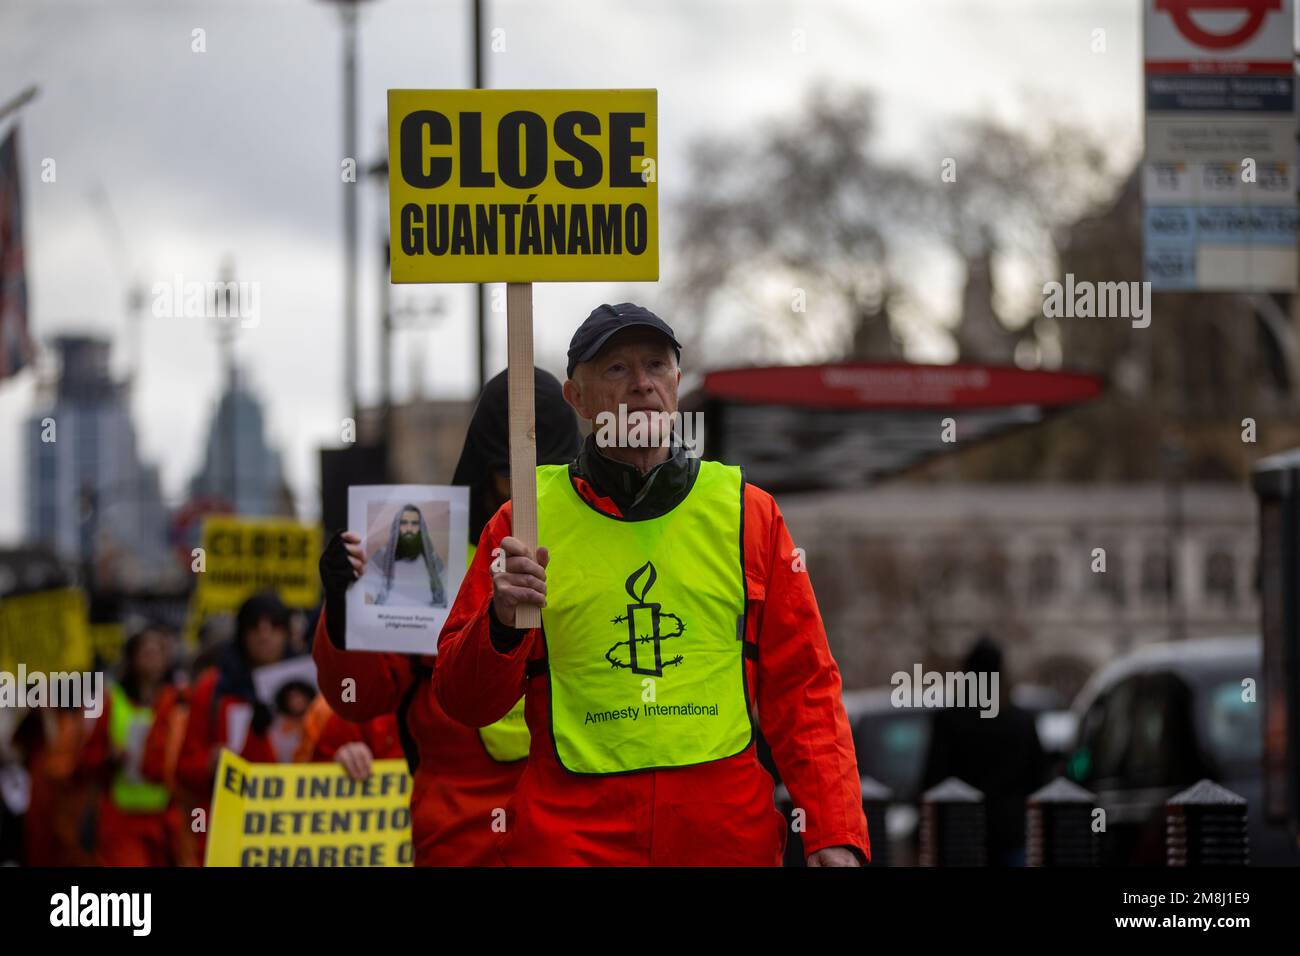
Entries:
{"x":604,"y":321}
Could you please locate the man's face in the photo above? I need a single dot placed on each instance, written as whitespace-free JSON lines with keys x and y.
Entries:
{"x":408,"y":534}
{"x":637,"y":368}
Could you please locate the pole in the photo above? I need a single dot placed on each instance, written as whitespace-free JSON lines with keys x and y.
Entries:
{"x":19,"y":101}
{"x":482,"y":289}
{"x":523,"y":429}
{"x":386,"y":336}
{"x":350,"y":252}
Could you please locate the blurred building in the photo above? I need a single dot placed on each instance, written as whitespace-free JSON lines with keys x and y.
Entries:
{"x":416,"y":442}
{"x":27,"y":569}
{"x":980,"y":334}
{"x":910,"y":572}
{"x":425,"y":439}
{"x":90,"y":498}
{"x":239,"y":465}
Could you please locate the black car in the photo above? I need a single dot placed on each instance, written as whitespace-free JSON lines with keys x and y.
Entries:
{"x":1158,"y":720}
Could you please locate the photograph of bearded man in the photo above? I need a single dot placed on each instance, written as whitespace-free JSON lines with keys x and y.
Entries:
{"x":407,"y":571}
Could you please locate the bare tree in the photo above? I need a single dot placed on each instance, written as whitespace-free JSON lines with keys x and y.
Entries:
{"x":792,"y":237}
{"x":787,"y":233}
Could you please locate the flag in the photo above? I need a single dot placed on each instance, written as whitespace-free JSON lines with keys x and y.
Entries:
{"x":15,"y":343}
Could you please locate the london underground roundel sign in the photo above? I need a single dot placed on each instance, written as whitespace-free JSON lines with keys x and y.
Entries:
{"x":1183,"y":13}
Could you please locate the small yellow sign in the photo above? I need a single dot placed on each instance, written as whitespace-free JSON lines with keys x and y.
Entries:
{"x":47,"y":631}
{"x":310,"y":814}
{"x":244,"y":556}
{"x":523,"y":185}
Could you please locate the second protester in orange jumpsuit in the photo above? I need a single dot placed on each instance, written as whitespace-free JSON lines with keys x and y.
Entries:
{"x":460,"y":790}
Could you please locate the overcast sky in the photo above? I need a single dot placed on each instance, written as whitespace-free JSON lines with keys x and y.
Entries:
{"x":235,"y":152}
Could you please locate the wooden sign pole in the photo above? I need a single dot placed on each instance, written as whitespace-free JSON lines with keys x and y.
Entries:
{"x":523,"y":429}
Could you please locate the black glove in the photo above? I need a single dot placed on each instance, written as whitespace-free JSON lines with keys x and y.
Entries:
{"x":504,"y":638}
{"x":336,"y":575}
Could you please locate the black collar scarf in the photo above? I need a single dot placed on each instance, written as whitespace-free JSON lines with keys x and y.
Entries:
{"x":638,"y":496}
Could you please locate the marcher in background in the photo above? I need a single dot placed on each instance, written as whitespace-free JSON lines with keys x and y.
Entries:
{"x":59,"y":827}
{"x":162,"y":751}
{"x":328,"y":737}
{"x":225,"y":712}
{"x":652,"y":567}
{"x":162,"y":748}
{"x":1000,"y":756}
{"x":136,"y":815}
{"x":461,"y":775}
{"x":289,"y":712}
{"x":216,"y":633}
{"x":15,"y":789}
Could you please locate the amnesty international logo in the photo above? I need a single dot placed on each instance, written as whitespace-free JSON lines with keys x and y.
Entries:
{"x":643,"y":650}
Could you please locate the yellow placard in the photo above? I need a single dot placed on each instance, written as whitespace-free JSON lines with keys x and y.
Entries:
{"x":244,"y":556}
{"x":312,"y":814}
{"x":47,"y":631}
{"x":523,"y":185}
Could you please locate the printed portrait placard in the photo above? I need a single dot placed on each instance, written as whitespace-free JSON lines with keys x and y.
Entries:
{"x":415,"y":542}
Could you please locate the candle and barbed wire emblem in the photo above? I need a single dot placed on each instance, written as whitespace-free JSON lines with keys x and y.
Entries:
{"x":645,"y":638}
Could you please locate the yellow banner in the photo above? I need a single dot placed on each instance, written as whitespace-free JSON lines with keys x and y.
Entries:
{"x":243,"y":556}
{"x":46,"y":631}
{"x":311,"y":814}
{"x":523,"y":185}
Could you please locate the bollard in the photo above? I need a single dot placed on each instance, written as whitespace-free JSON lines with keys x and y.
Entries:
{"x":953,"y":829}
{"x":1058,"y":826}
{"x":876,"y":798}
{"x":1205,"y":825}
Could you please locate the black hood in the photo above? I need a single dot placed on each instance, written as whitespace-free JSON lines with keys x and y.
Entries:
{"x":487,"y":443}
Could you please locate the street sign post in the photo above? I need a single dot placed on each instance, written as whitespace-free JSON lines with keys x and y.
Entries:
{"x":1219,"y":173}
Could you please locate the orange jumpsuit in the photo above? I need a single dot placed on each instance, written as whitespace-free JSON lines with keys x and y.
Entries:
{"x":63,"y":795}
{"x":126,"y":839}
{"x":162,"y":749}
{"x":457,"y":787}
{"x":718,"y":813}
{"x":324,"y":732}
{"x":209,"y":727}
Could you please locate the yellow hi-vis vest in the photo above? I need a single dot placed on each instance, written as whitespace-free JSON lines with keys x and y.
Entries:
{"x":507,"y":740}
{"x":128,"y":725}
{"x":644,"y":626}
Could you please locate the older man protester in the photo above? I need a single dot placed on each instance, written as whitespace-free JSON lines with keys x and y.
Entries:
{"x":676,"y":618}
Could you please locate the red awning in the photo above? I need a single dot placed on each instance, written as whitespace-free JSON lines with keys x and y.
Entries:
{"x":845,"y":425}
